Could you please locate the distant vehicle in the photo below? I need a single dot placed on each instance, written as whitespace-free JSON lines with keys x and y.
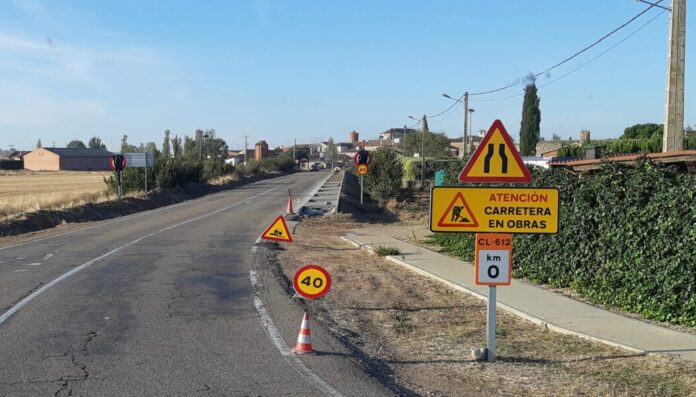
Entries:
{"x":314,"y":167}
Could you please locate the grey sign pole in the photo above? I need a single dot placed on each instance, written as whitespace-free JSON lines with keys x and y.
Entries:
{"x":490,"y":325}
{"x":146,"y":173}
{"x":361,"y":189}
{"x":120,"y":185}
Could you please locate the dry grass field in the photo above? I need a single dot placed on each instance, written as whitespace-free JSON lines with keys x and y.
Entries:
{"x":27,"y":191}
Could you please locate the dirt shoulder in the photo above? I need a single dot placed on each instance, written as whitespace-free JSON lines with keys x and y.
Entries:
{"x":424,"y":331}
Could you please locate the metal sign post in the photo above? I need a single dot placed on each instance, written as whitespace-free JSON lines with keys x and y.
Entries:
{"x":120,"y":184}
{"x":490,"y":325}
{"x":361,"y":189}
{"x":493,"y":261}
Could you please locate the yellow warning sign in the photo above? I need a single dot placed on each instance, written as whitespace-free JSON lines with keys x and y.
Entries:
{"x":458,"y":213}
{"x":362,"y":169}
{"x":278,"y":231}
{"x":494,"y":210}
{"x":496,"y":159}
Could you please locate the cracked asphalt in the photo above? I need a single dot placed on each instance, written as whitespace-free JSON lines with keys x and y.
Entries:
{"x":172,"y":314}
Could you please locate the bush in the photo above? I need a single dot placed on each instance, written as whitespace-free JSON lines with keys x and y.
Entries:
{"x":626,"y":238}
{"x":383,"y":181}
{"x":382,"y":250}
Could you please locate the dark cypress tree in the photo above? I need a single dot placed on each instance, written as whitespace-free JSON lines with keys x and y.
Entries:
{"x":531,"y":119}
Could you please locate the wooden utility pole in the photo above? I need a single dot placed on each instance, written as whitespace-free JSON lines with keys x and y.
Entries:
{"x":673,"y":138}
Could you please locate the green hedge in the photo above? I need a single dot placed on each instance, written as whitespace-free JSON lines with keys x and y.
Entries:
{"x":627,"y":238}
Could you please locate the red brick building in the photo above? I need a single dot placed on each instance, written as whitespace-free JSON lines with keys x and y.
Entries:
{"x":58,"y":159}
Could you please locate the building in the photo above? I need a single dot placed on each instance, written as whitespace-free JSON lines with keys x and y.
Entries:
{"x":12,"y":159}
{"x":68,"y":159}
{"x":353,"y":137}
{"x":372,"y":144}
{"x":396,"y":135}
{"x":261,"y":151}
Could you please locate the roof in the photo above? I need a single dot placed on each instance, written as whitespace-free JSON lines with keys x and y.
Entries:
{"x":79,"y":152}
{"x":372,"y":142}
{"x":667,"y":157}
{"x":399,"y":131}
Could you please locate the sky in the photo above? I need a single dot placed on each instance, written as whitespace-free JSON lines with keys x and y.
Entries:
{"x":313,"y":69}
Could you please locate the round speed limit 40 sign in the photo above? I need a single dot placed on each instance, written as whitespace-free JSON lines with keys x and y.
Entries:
{"x":312,"y":281}
{"x":493,"y":259}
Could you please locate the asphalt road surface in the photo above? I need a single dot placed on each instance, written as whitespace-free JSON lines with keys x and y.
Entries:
{"x":162,"y":303}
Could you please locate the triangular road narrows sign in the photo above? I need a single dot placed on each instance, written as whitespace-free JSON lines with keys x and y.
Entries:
{"x":278,"y":231}
{"x":496,"y":159}
{"x":458,"y":214}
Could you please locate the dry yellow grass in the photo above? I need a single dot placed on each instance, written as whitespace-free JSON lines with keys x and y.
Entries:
{"x":27,"y":191}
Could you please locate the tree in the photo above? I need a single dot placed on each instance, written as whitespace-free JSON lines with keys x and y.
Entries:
{"x":126,"y":147}
{"x":96,"y":143}
{"x":555,"y":137}
{"x":436,"y":144}
{"x":38,"y":144}
{"x":76,"y":144}
{"x":165,"y":146}
{"x":643,"y":131}
{"x":176,"y":146}
{"x":331,"y":151}
{"x":383,"y":181}
{"x":531,"y":119}
{"x":301,"y":152}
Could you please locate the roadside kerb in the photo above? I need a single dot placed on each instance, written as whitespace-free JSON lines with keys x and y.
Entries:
{"x":647,"y":338}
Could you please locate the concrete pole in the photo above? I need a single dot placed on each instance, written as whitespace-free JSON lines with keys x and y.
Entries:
{"x":245,"y":149}
{"x":465,"y":148}
{"x":425,"y":131}
{"x":673,"y":138}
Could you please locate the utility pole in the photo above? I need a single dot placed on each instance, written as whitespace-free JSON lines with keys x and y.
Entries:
{"x":200,"y":145}
{"x":673,"y":138}
{"x":425,"y":130}
{"x":245,"y":149}
{"x":465,"y":142}
{"x":294,"y":150}
{"x":403,"y":140}
{"x":471,"y":122}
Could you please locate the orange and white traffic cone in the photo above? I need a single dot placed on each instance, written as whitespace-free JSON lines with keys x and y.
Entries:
{"x":289,"y":210}
{"x":304,"y":339}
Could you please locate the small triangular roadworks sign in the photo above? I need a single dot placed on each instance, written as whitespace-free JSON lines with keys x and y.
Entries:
{"x":278,"y":231}
{"x":496,"y":159}
{"x":458,"y":214}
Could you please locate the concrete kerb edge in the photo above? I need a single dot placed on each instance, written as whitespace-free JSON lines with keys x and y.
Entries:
{"x":314,"y":191}
{"x":509,"y":309}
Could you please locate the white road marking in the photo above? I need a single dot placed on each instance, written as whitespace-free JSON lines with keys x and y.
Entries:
{"x":34,"y":264}
{"x":50,"y":254}
{"x":22,"y":270}
{"x":85,"y":265}
{"x":284,"y":350}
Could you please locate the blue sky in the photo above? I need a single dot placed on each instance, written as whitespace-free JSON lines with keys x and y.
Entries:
{"x":279,"y":70}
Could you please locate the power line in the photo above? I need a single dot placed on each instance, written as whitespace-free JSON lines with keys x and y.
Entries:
{"x":597,"y":41}
{"x":562,"y":62}
{"x":581,"y":65}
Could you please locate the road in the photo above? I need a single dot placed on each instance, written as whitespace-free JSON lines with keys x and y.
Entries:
{"x":161,"y":303}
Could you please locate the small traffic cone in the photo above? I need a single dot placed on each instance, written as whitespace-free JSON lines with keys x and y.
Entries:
{"x":289,"y":210}
{"x":304,"y":339}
